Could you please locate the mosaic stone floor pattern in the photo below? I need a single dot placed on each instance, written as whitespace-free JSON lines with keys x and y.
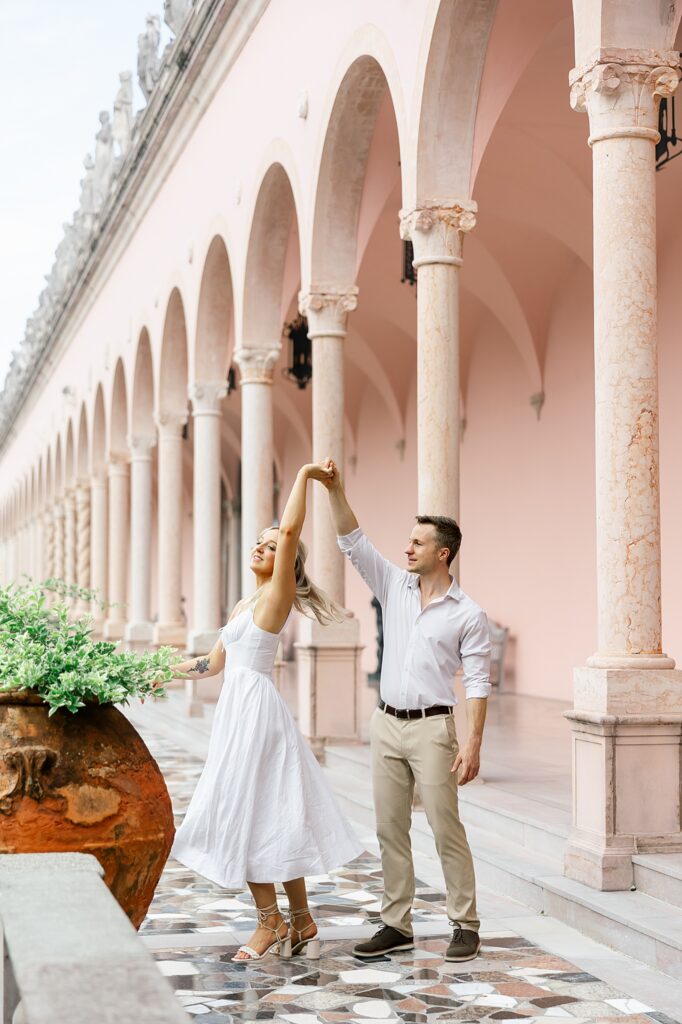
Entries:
{"x":512,"y":979}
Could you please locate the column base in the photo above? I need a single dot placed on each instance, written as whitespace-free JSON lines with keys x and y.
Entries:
{"x":114,"y":629}
{"x":194,"y":707}
{"x":201,"y":641}
{"x":139,"y":632}
{"x":173,"y":633}
{"x":328,"y":682}
{"x":627,"y":730}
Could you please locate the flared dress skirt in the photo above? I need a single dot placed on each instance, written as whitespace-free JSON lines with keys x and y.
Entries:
{"x":262,"y":810}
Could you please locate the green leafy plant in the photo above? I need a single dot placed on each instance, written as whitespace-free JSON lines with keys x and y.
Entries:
{"x":42,"y":650}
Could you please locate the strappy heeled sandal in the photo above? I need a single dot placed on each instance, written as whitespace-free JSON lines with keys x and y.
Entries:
{"x":311,"y":945}
{"x":283,"y":944}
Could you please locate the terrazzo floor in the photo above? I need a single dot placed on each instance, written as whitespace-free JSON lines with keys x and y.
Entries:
{"x":194,"y":928}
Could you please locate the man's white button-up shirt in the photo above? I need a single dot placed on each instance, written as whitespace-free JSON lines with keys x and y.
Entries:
{"x":423,"y":648}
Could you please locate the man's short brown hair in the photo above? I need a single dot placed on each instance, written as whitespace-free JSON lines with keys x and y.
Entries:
{"x":448,"y":533}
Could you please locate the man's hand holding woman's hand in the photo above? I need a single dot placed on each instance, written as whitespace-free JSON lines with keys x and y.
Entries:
{"x":326,"y":472}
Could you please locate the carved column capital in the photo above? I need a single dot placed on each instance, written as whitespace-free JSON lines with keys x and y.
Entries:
{"x":206,"y":397}
{"x":621,"y":90}
{"x":140,"y":446}
{"x":436,"y":230}
{"x":257,"y":365}
{"x":117,"y":468}
{"x":327,"y":309}
{"x":171,"y":424}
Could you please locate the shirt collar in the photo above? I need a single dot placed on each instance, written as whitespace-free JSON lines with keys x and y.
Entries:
{"x":454,"y":590}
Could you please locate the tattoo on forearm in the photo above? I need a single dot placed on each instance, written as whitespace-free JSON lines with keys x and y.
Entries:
{"x":200,"y":665}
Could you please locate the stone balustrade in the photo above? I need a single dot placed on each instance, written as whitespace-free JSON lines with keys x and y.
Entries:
{"x":71,"y":955}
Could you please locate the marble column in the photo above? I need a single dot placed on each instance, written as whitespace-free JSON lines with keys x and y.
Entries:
{"x":170,"y":628}
{"x":70,"y":540}
{"x":328,"y":656}
{"x":436,"y":232}
{"x":206,"y":412}
{"x":119,"y":521}
{"x":83,"y":545}
{"x":256,"y":368}
{"x":139,"y":626}
{"x":626,"y":718}
{"x":48,"y":544}
{"x":327,"y":312}
{"x":98,"y":547}
{"x":59,"y":539}
{"x":233,"y":556}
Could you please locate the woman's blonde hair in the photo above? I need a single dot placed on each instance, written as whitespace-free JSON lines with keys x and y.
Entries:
{"x":310,"y":600}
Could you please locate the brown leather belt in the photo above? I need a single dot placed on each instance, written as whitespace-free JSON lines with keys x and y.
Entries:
{"x":437,"y":709}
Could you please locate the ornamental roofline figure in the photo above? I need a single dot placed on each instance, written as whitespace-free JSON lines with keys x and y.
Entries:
{"x":148,"y":64}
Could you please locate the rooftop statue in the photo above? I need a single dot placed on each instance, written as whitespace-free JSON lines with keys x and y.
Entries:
{"x":104,"y":157}
{"x":148,"y":55}
{"x":175,"y":13}
{"x":122,"y":127}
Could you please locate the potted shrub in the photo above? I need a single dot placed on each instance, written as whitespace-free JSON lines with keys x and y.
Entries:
{"x":74,"y":773}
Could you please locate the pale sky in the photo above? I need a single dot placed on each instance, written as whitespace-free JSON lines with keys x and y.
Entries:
{"x":59,"y":68}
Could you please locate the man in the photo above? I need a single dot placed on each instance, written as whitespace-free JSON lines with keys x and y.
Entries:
{"x":431,"y":628}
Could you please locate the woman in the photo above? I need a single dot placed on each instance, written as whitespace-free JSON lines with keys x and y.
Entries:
{"x":262,"y":810}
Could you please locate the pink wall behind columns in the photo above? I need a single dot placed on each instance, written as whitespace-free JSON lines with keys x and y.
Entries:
{"x":528,"y":495}
{"x":670,"y":411}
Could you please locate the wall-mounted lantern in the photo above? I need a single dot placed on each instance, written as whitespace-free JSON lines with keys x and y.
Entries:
{"x":231,"y":380}
{"x":409,"y":273}
{"x":300,"y":368}
{"x":667,"y":131}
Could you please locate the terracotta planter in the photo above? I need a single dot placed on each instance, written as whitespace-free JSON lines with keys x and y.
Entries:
{"x":84,"y":782}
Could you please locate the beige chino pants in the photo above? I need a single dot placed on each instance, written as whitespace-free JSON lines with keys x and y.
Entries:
{"x":421,"y":750}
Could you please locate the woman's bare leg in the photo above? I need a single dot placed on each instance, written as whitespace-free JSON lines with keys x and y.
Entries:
{"x":265,"y":898}
{"x":302,"y":924}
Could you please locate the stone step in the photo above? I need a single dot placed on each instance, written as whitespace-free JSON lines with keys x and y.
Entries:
{"x":659,"y":875}
{"x":634,"y":923}
{"x":541,"y":827}
{"x":648,"y":929}
{"x":501,"y":865}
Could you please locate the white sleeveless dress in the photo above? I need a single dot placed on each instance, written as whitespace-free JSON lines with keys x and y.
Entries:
{"x":262,"y":810}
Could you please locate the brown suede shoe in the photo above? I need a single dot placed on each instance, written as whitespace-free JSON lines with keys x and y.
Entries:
{"x":464,"y":945}
{"x":386,"y":940}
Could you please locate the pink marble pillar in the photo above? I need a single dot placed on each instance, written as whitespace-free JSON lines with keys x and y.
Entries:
{"x":82,"y":496}
{"x":329,"y":676}
{"x":70,"y":539}
{"x":119,"y":554}
{"x":139,"y":625}
{"x":206,"y":412}
{"x":256,"y":368}
{"x":626,"y":722}
{"x":436,"y":233}
{"x":98,"y":547}
{"x":170,"y":628}
{"x":48,"y":544}
{"x":58,"y":565}
{"x":327,"y":312}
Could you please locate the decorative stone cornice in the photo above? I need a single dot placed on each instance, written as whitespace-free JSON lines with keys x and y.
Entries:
{"x":621,"y":90}
{"x":436,"y":230}
{"x":257,"y":365}
{"x":140,"y":446}
{"x":326,"y":309}
{"x":206,"y":397}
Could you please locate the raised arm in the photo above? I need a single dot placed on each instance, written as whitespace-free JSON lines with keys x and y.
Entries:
{"x":342,"y":514}
{"x":376,"y":571}
{"x":272,"y":609}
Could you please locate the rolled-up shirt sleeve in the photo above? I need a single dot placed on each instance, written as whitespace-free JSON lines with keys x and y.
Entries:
{"x":375,"y":570}
{"x":475,"y":654}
